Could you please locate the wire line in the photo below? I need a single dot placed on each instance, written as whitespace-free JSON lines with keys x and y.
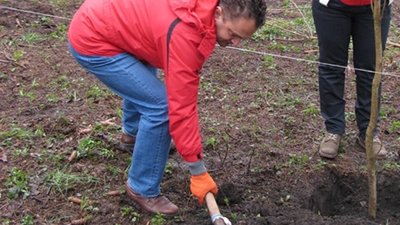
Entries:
{"x":229,"y":47}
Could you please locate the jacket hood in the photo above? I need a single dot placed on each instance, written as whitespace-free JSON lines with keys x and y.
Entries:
{"x":200,"y":14}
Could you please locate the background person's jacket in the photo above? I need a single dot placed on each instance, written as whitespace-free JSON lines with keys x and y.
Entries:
{"x":352,"y":2}
{"x":140,"y":27}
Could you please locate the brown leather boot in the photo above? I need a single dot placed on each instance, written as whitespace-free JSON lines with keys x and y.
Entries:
{"x":127,"y":142}
{"x":377,"y":146}
{"x":330,"y":146}
{"x":159,"y":204}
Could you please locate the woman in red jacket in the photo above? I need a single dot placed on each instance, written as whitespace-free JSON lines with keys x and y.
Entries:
{"x":124,"y":42}
{"x":337,"y":21}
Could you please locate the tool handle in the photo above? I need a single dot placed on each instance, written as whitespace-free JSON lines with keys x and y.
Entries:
{"x":214,"y":210}
{"x":212,"y":204}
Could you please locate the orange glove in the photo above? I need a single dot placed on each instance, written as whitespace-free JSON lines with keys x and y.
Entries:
{"x":201,"y":184}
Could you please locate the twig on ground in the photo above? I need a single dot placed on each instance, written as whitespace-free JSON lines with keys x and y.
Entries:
{"x":310,"y":31}
{"x":74,"y":200}
{"x":73,"y":156}
{"x":5,"y":61}
{"x":393,"y":43}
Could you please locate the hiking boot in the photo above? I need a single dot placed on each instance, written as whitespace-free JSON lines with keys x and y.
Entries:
{"x":127,"y":142}
{"x":159,"y":204}
{"x":377,"y":146}
{"x":329,"y":146}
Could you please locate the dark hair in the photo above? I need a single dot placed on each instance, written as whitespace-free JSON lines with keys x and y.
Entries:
{"x":255,"y":9}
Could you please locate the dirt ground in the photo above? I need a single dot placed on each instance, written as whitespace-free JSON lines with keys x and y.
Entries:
{"x":260,"y":125}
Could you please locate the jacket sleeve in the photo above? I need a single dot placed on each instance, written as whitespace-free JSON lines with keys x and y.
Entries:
{"x":182,"y":67}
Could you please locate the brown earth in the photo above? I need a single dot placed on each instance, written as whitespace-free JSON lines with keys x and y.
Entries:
{"x":260,"y":125}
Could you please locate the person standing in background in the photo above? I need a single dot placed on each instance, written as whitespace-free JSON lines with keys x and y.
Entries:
{"x":336,"y":22}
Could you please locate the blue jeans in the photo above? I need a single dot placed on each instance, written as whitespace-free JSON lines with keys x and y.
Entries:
{"x":145,"y":114}
{"x":335,"y":25}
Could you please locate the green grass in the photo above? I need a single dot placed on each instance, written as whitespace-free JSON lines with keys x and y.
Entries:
{"x":31,"y":96}
{"x":158,"y":219}
{"x":27,"y":220}
{"x":18,"y":55}
{"x":394,"y":126}
{"x":32,"y":38}
{"x":391,"y":166}
{"x":17,"y":183}
{"x":311,"y":110}
{"x":60,"y":32}
{"x":269,"y":62}
{"x":63,"y":181}
{"x":129,"y":212}
{"x":95,"y":92}
{"x":298,"y":160}
{"x":8,"y":137}
{"x":88,"y":147}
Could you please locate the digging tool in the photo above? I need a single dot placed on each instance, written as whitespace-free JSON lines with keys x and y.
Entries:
{"x":216,"y":217}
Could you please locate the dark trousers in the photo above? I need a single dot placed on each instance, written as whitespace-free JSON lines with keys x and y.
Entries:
{"x":335,"y":25}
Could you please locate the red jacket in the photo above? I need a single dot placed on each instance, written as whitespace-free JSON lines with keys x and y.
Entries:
{"x":356,"y":2}
{"x":140,"y":27}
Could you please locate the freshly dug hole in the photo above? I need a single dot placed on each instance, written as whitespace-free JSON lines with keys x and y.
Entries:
{"x":347,"y":194}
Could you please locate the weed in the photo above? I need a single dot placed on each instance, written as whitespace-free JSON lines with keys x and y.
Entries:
{"x":64,"y":181}
{"x":115,"y":171}
{"x":30,"y":95}
{"x":34,"y":83}
{"x":87,"y":146}
{"x":311,"y":110}
{"x":269,"y":62}
{"x":20,"y":152}
{"x":27,"y":220}
{"x":168,"y":168}
{"x":119,"y":112}
{"x":391,"y":166}
{"x":73,"y":96}
{"x":5,"y":221}
{"x":289,"y":102}
{"x":386,"y":111}
{"x":18,"y":54}
{"x":226,"y":201}
{"x":55,"y":159}
{"x":60,"y":32}
{"x":61,"y":83}
{"x":158,"y":219}
{"x":395,"y":126}
{"x":107,"y":153}
{"x":128,"y":211}
{"x":17,"y":183}
{"x":211,"y":142}
{"x":233,"y":216}
{"x":100,"y":128}
{"x":3,"y":76}
{"x":86,"y":205}
{"x":299,"y":160}
{"x":95,"y":92}
{"x":52,"y":98}
{"x":16,"y":133}
{"x":267,"y":32}
{"x":350,"y":116}
{"x":32,"y":38}
{"x":321,"y":164}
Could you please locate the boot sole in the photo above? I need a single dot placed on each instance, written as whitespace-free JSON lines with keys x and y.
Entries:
{"x":324,"y":155}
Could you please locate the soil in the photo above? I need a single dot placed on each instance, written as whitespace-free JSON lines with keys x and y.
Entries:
{"x":260,"y":121}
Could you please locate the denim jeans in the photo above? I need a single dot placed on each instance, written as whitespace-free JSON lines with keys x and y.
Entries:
{"x":335,"y":25}
{"x":145,"y":114}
